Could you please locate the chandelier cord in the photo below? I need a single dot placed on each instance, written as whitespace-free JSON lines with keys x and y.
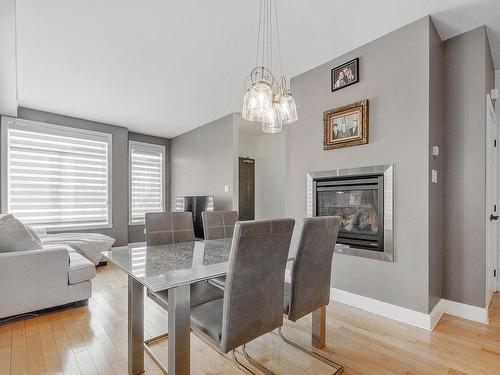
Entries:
{"x":258,"y":35}
{"x":265,"y":39}
{"x":270,"y":35}
{"x":278,"y":36}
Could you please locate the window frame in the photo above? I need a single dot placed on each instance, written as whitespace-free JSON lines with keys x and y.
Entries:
{"x":146,"y":147}
{"x":60,"y":130}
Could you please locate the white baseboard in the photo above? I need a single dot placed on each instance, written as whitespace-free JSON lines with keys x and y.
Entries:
{"x":437,"y":312}
{"x":408,"y":316}
{"x":477,"y":314}
{"x":401,"y":314}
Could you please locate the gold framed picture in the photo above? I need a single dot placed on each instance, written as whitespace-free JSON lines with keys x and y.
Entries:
{"x":346,"y":126}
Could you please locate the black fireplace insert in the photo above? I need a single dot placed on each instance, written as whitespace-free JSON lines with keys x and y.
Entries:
{"x":359,"y":201}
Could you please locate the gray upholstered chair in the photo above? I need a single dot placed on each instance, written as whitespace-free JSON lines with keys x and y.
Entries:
{"x":169,"y":227}
{"x":165,"y":228}
{"x":309,"y":289}
{"x":219,"y":224}
{"x":253,"y":296}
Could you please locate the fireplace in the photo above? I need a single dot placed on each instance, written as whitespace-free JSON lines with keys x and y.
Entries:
{"x":362,"y":197}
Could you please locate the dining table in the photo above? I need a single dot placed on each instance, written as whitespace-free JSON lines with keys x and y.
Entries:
{"x":173,"y":268}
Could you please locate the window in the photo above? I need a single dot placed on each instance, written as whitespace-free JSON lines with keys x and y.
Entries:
{"x":56,"y":177}
{"x":147,"y":181}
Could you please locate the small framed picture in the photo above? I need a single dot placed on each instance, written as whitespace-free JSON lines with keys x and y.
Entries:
{"x":345,"y":75}
{"x":346,"y":126}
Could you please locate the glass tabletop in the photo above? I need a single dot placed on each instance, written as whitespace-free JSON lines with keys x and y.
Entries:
{"x":167,"y":266}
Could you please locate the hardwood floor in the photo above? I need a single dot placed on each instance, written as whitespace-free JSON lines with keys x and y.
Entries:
{"x":93,"y":340}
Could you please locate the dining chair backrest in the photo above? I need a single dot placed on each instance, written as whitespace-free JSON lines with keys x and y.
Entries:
{"x":219,"y":224}
{"x":312,"y":266}
{"x":253,"y":296}
{"x":163,"y":228}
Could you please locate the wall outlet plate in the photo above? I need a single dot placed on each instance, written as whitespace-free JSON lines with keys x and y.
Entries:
{"x":434,"y":176}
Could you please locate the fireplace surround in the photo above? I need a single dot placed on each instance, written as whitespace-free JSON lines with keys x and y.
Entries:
{"x":363,"y":198}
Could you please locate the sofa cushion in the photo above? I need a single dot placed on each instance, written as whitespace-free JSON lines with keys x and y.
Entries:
{"x":14,"y":236}
{"x":6,"y":217}
{"x":90,"y":245}
{"x":80,"y":269}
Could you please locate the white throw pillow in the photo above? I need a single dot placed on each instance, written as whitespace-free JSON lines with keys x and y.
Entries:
{"x":34,"y":234}
{"x":14,"y":236}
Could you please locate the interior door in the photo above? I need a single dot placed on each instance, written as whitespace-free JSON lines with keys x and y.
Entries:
{"x":246,"y":168}
{"x":491,"y":201}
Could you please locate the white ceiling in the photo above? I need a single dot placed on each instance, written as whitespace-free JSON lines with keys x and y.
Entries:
{"x":162,"y":67}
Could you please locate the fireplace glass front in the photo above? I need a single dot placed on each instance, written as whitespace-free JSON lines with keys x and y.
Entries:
{"x":359,"y":202}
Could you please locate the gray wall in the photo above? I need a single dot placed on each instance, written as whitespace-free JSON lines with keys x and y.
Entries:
{"x":394,"y":73}
{"x":271,"y":177}
{"x":202,"y":162}
{"x":120,"y":230}
{"x":269,"y":152}
{"x":8,"y":80}
{"x":497,"y":86}
{"x":136,"y":232}
{"x":436,"y":92}
{"x":467,"y":80}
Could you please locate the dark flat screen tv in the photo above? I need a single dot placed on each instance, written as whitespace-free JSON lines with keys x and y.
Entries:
{"x":195,"y":204}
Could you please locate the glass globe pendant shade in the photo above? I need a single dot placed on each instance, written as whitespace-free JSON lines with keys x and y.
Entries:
{"x":245,"y":113}
{"x":273,"y":123}
{"x":260,"y":102}
{"x":287,"y":108}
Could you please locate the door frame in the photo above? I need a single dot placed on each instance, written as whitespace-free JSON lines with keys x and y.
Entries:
{"x":492,"y":185}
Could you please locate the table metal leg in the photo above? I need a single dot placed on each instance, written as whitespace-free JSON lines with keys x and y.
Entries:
{"x":318,"y":338}
{"x":179,"y":322}
{"x":135,"y":327}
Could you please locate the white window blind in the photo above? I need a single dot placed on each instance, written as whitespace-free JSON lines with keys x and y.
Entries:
{"x":147,"y":181}
{"x":55,"y":176}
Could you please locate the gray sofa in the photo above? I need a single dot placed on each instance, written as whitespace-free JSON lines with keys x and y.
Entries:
{"x":39,"y":279}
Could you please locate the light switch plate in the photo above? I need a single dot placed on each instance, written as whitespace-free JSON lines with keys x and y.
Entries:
{"x":434,"y":176}
{"x":226,"y":188}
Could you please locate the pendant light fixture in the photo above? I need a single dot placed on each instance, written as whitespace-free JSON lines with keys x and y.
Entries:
{"x":266,"y":100}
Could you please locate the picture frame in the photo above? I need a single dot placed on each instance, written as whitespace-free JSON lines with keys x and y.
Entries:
{"x":345,"y":75}
{"x":346,"y":126}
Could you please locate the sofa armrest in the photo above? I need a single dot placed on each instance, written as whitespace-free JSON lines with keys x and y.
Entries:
{"x":31,"y":280}
{"x":41,"y":260}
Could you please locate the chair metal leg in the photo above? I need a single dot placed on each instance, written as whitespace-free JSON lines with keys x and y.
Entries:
{"x":152,"y":341}
{"x":164,"y":336}
{"x":253,"y":362}
{"x":337,"y":366}
{"x":155,"y":359}
{"x":156,"y":339}
{"x":240,"y":365}
{"x":207,"y":340}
